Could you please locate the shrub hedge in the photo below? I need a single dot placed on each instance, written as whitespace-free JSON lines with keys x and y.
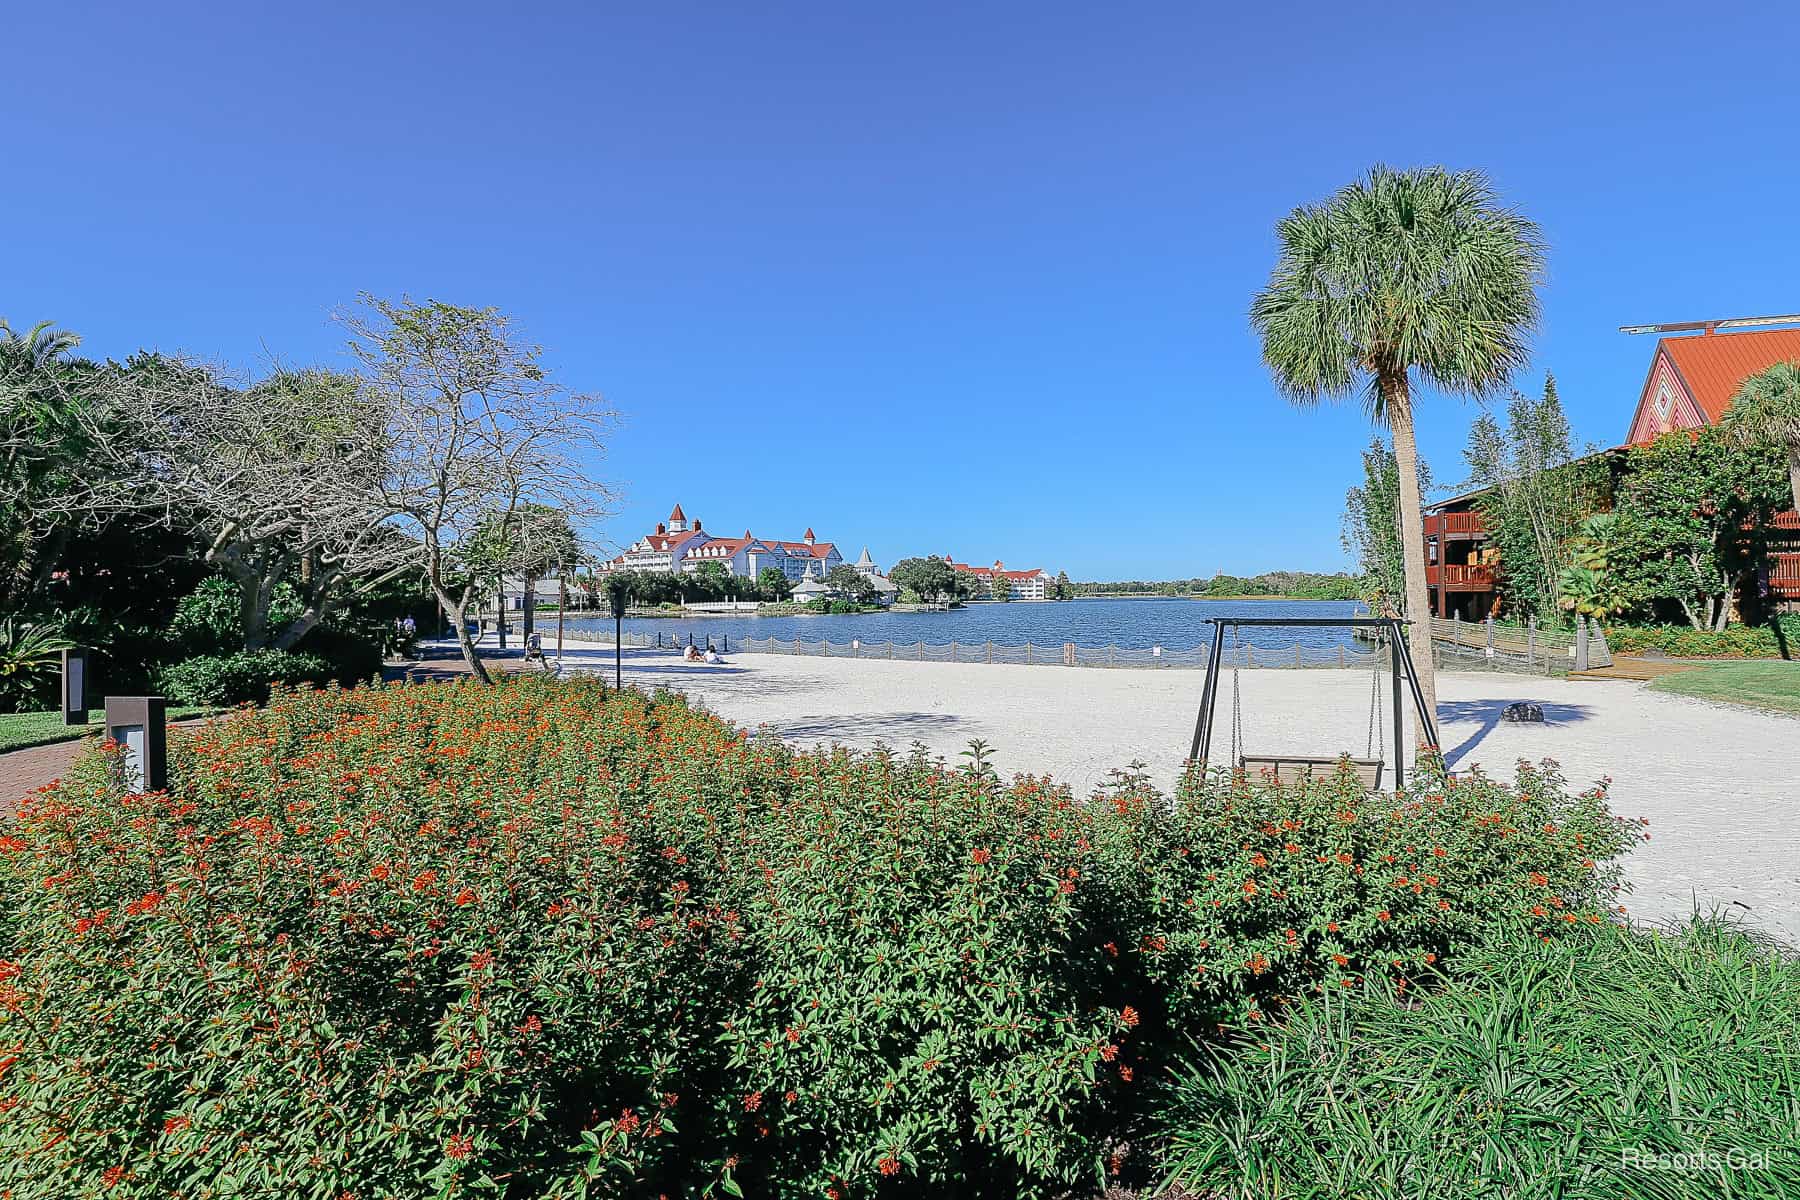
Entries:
{"x":1734,"y":641}
{"x":221,"y":680}
{"x":543,"y":940}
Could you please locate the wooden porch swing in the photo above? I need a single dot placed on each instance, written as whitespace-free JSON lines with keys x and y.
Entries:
{"x":1285,"y":768}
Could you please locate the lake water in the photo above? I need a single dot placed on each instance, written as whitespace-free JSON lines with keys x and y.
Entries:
{"x":1176,"y":624}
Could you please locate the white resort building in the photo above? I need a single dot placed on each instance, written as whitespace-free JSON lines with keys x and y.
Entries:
{"x":1025,"y":585}
{"x":680,"y":545}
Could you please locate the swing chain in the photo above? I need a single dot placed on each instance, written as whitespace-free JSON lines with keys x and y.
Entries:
{"x":1375,"y":724}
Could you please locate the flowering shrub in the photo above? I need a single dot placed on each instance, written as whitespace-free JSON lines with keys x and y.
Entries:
{"x":546,"y":940}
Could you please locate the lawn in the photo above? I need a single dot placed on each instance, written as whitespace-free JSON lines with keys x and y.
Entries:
{"x":1770,"y":685}
{"x":18,"y":731}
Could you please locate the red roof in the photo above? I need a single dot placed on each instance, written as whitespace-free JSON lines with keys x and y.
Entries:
{"x":1714,"y":366}
{"x":816,"y":549}
{"x":990,"y":572}
{"x":677,"y":515}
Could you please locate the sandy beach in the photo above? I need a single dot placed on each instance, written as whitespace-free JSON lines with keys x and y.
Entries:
{"x":1717,"y":783}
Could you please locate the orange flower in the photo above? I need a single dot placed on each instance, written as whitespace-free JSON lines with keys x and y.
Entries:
{"x":1383,"y":915}
{"x":1129,"y":1016}
{"x":979,"y":855}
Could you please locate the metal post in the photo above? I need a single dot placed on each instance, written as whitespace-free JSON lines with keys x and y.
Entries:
{"x":1208,"y":691}
{"x":1399,"y":726}
{"x":618,"y":650}
{"x":562,"y":602}
{"x":500,"y":620}
{"x":1530,"y":643}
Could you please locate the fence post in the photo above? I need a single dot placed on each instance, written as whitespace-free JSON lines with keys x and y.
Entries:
{"x":890,"y":648}
{"x":1296,"y":654}
{"x":1028,"y":653}
{"x":1531,"y":644}
{"x":990,"y":650}
{"x":1456,"y":630}
{"x":1340,"y":656}
{"x":1069,"y":654}
{"x":1249,"y":655}
{"x":1490,"y":635}
{"x":952,"y":649}
{"x":796,"y":643}
{"x":727,"y":639}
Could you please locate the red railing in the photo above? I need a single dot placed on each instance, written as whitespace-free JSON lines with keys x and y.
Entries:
{"x":1469,"y":576}
{"x":1467,"y":523}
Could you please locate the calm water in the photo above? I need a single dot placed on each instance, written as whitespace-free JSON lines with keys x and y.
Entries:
{"x":1131,"y":624}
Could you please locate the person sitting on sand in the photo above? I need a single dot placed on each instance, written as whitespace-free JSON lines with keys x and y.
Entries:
{"x":691,"y":654}
{"x":712,"y":656}
{"x":534,"y":650}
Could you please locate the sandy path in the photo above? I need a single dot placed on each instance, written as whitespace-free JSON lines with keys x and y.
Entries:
{"x":1720,"y":785}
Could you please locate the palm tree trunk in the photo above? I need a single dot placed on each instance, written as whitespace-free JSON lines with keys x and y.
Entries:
{"x":1398,"y":403}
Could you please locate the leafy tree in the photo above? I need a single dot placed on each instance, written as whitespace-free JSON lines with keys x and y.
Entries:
{"x":1588,"y":587}
{"x":773,"y":584}
{"x":847,"y":583}
{"x":712,"y":580}
{"x":1537,"y":496}
{"x":1064,"y":590}
{"x":1692,"y":509}
{"x":929,"y":578}
{"x":1001,"y":588}
{"x":1766,"y":411}
{"x":45,"y":457}
{"x":474,"y":430}
{"x":1404,"y":271}
{"x":1371,"y":526}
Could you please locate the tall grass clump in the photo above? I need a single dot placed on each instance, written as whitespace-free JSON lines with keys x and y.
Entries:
{"x":1620,"y":1063}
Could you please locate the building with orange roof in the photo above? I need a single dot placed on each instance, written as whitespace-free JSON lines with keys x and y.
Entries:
{"x":681,"y":545}
{"x":1024,"y":585}
{"x":1691,"y":382}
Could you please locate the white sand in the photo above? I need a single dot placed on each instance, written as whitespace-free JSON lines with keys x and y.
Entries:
{"x":1720,"y":785}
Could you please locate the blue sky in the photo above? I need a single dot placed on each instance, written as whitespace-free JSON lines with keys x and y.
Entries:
{"x":964,"y":279}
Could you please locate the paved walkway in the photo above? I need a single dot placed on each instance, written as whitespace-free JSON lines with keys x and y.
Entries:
{"x":24,"y":771}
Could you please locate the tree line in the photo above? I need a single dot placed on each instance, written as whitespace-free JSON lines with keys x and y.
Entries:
{"x":443,"y":457}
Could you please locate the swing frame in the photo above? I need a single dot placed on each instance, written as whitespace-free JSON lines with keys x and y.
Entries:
{"x":1402,"y":667}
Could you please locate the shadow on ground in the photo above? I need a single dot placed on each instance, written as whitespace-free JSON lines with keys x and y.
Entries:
{"x":899,"y":729}
{"x":1485,"y":715}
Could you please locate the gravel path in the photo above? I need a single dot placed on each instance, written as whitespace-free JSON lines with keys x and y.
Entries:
{"x":1720,"y":785}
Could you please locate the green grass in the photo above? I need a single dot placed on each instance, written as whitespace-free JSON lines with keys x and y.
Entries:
{"x":1771,"y":685}
{"x":1547,"y":1072}
{"x":19,"y":731}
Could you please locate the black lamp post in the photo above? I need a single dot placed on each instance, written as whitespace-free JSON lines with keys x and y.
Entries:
{"x":618,"y":595}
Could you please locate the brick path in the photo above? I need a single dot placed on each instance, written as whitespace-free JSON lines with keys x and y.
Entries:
{"x":24,"y":771}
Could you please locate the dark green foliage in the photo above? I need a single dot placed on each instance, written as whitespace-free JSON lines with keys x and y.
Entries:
{"x":221,"y":680}
{"x":1734,"y":641}
{"x":926,"y":578}
{"x":544,"y":939}
{"x":1538,"y":1072}
{"x":1692,"y":511}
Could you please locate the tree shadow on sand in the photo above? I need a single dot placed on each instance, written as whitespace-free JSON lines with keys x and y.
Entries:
{"x":1486,"y":716}
{"x":894,"y":728}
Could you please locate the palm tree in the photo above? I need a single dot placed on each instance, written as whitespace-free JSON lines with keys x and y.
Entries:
{"x":1421,"y":270}
{"x":1766,"y":411}
{"x":36,"y":346}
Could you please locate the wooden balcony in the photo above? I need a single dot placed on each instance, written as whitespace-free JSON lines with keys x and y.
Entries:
{"x":1469,"y":577}
{"x":1455,"y":525}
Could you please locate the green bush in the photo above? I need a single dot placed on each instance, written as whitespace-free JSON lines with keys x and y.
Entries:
{"x":1680,"y":641}
{"x":353,"y":654}
{"x":221,"y":680}
{"x":1581,"y":1068}
{"x":545,"y":940}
